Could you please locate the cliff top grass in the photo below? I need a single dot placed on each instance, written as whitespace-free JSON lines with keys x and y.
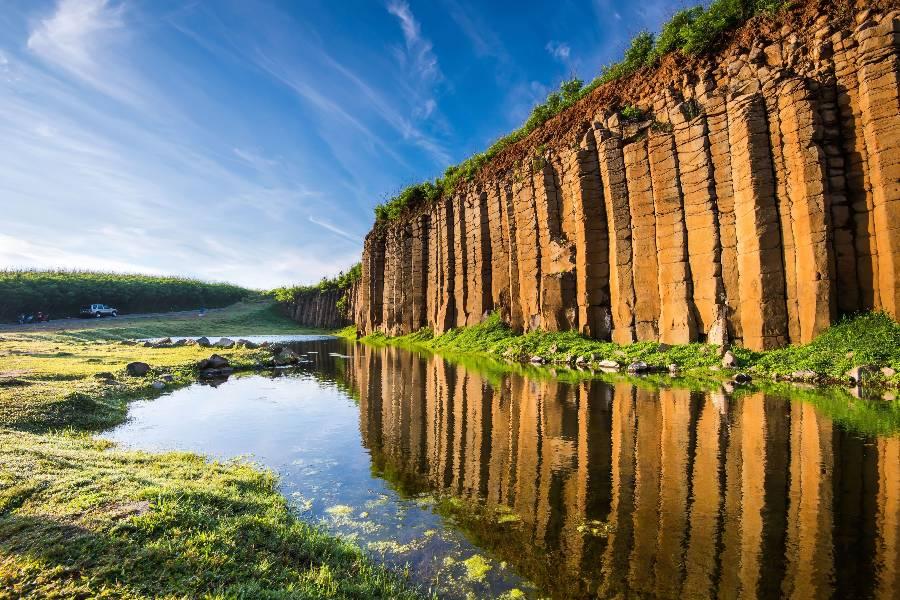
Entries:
{"x":341,"y":282}
{"x":691,"y":32}
{"x":82,"y":518}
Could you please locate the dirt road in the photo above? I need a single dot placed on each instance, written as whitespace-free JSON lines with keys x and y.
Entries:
{"x":92,"y":323}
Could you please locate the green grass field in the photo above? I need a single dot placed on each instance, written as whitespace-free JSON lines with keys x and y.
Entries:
{"x":81,"y":518}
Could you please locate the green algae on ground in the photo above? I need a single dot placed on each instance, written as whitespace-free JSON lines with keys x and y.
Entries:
{"x":476,"y":567}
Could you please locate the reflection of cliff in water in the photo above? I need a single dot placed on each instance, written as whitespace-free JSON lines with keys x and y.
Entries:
{"x":693,"y":494}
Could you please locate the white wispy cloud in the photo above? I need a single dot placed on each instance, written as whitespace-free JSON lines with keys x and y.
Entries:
{"x":419,"y":49}
{"x":558,"y":50}
{"x":335,"y":229}
{"x":482,"y":37}
{"x":422,"y":63}
{"x":77,"y":38}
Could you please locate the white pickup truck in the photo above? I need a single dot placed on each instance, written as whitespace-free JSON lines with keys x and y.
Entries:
{"x":99,"y":310}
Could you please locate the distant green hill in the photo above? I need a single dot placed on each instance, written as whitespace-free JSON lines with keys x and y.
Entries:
{"x":63,"y":293}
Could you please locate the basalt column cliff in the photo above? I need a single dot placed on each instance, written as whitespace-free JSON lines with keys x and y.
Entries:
{"x":753,"y":198}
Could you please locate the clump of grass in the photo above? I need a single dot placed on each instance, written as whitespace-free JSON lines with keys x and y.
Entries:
{"x":691,"y":31}
{"x":631,"y":113}
{"x":866,"y":339}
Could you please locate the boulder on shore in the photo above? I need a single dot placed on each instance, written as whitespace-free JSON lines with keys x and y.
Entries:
{"x":858,"y":374}
{"x":137,"y":369}
{"x":247,"y":344}
{"x":224,"y":343}
{"x":729,"y":361}
{"x":213,"y":362}
{"x":203,"y":342}
{"x":286,"y":357}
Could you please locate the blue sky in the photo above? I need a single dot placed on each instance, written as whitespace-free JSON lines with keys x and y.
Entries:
{"x":248,"y":141}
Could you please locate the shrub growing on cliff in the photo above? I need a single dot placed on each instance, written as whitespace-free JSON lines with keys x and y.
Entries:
{"x":342,"y":281}
{"x":570,"y":91}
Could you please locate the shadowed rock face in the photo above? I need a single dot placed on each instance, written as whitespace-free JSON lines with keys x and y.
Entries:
{"x":755,"y":201}
{"x":320,"y":309}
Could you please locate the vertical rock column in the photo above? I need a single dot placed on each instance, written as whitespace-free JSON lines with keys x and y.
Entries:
{"x":419,"y":272}
{"x":645,"y":268}
{"x":499,"y":266}
{"x":701,"y":219}
{"x":761,"y":282}
{"x":557,"y":298}
{"x":879,"y":99}
{"x":529,"y":263}
{"x":508,"y":219}
{"x":677,"y":324}
{"x":615,"y":195}
{"x":478,"y":257}
{"x":406,"y":280}
{"x":373,"y":282}
{"x":442,"y":267}
{"x":392,"y":266}
{"x":783,"y":206}
{"x":720,"y":158}
{"x":460,"y":264}
{"x":859,"y":188}
{"x":591,"y":241}
{"x":845,"y":276}
{"x":810,"y":215}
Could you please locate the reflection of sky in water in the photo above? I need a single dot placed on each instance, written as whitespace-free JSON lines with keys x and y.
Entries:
{"x":308,"y":431}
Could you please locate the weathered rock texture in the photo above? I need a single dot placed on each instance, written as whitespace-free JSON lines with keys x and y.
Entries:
{"x":756,"y":200}
{"x":324,"y":309}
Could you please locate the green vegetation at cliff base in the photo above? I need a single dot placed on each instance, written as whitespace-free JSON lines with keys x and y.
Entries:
{"x":871,"y":340}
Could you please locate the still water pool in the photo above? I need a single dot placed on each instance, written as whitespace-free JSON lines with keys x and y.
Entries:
{"x":484,"y":483}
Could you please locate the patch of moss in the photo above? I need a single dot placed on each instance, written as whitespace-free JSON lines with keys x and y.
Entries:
{"x":476,"y":567}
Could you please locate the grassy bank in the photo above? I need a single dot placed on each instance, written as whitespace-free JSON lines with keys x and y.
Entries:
{"x":80,"y":518}
{"x":870,"y":339}
{"x":244,"y":318}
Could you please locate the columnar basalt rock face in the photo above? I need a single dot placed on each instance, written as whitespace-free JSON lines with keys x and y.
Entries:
{"x":321,"y":309}
{"x":755,"y":200}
